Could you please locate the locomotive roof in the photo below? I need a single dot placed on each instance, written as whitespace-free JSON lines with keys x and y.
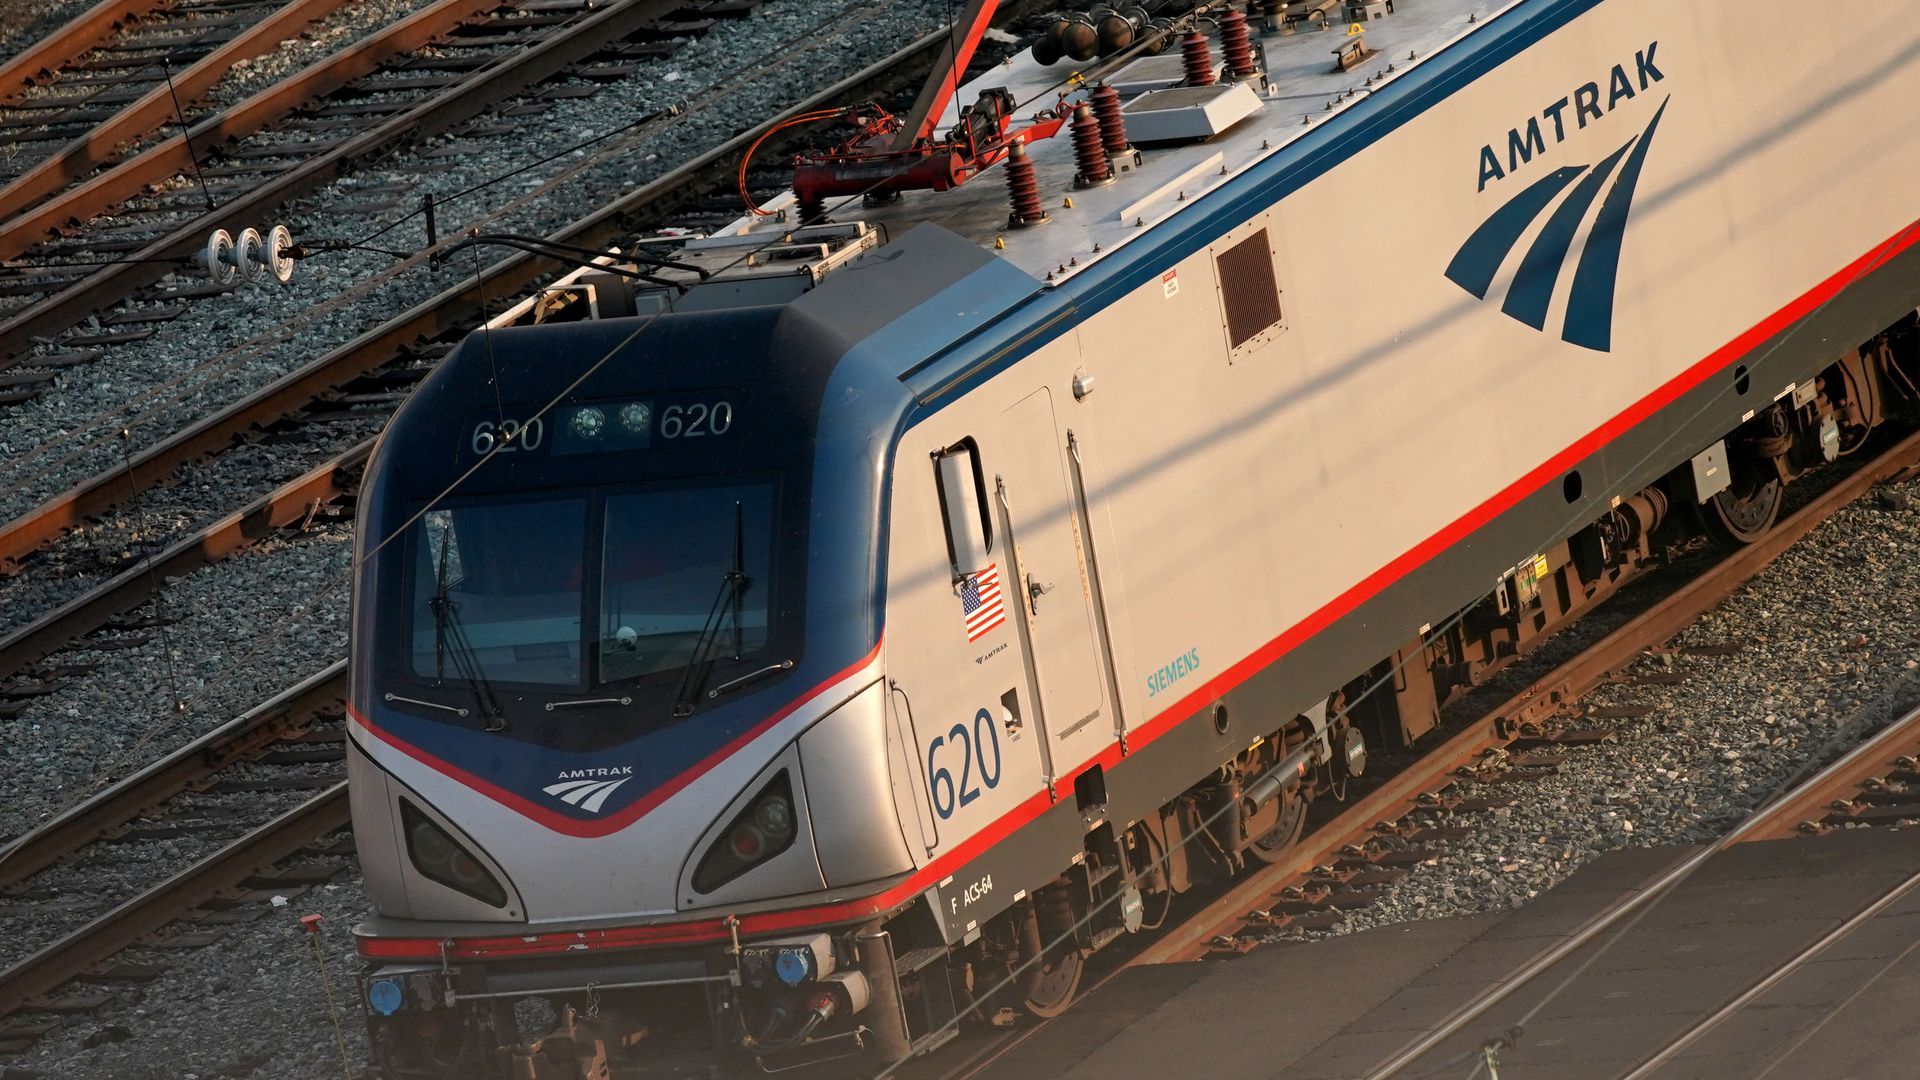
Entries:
{"x":1304,"y":90}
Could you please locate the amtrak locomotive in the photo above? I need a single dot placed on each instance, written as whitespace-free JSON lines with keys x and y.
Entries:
{"x":875,"y":607}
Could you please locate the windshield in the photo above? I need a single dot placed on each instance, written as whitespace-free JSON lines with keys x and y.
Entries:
{"x":513,"y":574}
{"x":510,"y":573}
{"x":666,"y":558}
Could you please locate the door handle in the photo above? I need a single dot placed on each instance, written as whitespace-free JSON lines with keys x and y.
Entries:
{"x":1035,"y":591}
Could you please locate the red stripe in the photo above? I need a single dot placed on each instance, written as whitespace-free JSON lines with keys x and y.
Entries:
{"x":614,"y":822}
{"x":983,"y":631}
{"x":847,"y":911}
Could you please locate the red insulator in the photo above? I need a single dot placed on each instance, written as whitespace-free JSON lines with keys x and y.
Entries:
{"x":1023,"y":190}
{"x":1236,"y":43}
{"x":1113,"y":123}
{"x":813,"y":210}
{"x":1197,"y":53}
{"x":1088,"y":152}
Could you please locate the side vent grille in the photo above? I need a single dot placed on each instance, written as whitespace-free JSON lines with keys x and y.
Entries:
{"x":1248,"y":290}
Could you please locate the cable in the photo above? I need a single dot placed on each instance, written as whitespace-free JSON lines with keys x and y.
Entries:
{"x":740,"y":177}
{"x":186,"y":135}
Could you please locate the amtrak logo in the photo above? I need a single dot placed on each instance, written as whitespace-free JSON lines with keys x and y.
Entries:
{"x":1589,"y":316}
{"x":588,"y":794}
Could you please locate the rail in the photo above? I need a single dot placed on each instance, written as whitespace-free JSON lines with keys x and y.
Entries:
{"x":289,"y":714}
{"x":61,"y":190}
{"x":438,"y":114}
{"x":69,"y":42}
{"x":290,"y":504}
{"x":72,"y":955}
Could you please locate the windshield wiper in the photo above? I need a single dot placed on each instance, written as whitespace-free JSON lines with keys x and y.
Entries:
{"x":447,"y":632}
{"x":731,"y":685}
{"x":733,"y":585}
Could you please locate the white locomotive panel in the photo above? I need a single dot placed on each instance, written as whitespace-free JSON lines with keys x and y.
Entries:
{"x":1383,"y":361}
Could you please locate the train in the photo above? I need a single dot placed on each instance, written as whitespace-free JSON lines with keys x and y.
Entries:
{"x":775,"y":647}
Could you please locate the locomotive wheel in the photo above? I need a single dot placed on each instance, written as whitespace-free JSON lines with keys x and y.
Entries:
{"x":1059,"y":980}
{"x":1737,"y":520}
{"x":1273,"y":845}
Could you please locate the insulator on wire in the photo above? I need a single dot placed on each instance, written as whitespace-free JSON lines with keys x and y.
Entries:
{"x":1113,"y":123}
{"x":1023,"y":191}
{"x":1115,"y":33}
{"x":1196,"y":53}
{"x":1236,"y":43}
{"x":1078,"y":38}
{"x":1088,"y":150}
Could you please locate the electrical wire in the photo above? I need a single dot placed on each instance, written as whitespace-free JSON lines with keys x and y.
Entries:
{"x":740,"y":177}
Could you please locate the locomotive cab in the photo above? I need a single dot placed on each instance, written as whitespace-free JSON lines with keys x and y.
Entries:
{"x":615,"y":665}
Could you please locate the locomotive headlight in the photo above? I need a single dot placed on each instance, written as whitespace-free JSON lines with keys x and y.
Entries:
{"x":758,"y":833}
{"x":636,"y":417}
{"x":747,"y":842}
{"x":439,"y":857}
{"x":589,"y":422}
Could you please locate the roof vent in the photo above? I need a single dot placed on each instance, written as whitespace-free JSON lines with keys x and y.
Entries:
{"x":1189,"y":113}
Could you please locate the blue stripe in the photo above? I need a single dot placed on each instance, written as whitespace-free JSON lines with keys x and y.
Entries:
{"x":1590,"y":310}
{"x":1479,"y":259}
{"x":1532,"y":288}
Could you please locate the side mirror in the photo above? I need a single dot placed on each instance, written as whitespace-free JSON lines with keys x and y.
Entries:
{"x":963,"y":506}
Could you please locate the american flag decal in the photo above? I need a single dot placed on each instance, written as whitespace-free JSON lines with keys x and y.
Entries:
{"x":980,"y":602}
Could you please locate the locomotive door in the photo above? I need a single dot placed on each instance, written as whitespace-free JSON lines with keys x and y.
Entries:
{"x":1047,"y":579}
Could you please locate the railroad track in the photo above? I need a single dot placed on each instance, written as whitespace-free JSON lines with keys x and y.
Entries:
{"x":279,"y":762}
{"x":293,"y":139}
{"x":126,"y":88}
{"x":117,"y":159}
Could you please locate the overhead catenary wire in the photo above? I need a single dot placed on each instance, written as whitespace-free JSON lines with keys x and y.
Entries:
{"x":186,"y":136}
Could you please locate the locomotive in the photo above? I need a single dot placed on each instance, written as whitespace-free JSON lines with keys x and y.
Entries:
{"x":851,"y":620}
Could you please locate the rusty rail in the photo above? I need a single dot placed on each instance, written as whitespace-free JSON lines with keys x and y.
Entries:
{"x":1805,"y":807}
{"x":1546,"y":696}
{"x":291,"y":712}
{"x":70,"y":42}
{"x":453,"y":309}
{"x":52,"y":314}
{"x":128,"y":923}
{"x":24,"y":223}
{"x":286,"y":505}
{"x":83,"y":155}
